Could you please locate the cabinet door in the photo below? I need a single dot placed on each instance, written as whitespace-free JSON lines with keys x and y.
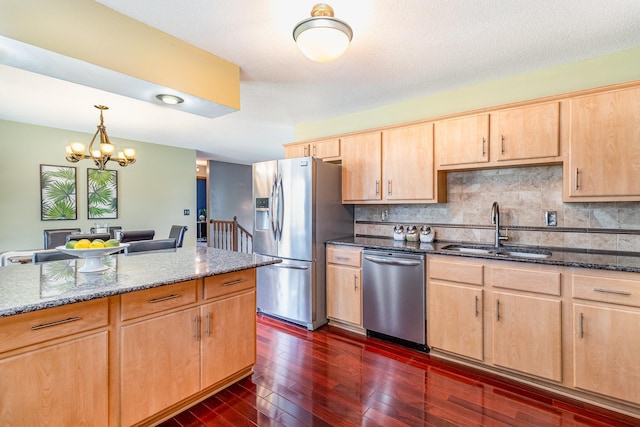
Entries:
{"x":62,"y":385}
{"x":606,"y":344}
{"x":297,"y":150}
{"x":160,"y":364}
{"x":326,"y":149}
{"x":407,"y":163}
{"x":344,"y":294}
{"x":604,"y":148}
{"x":462,"y":141}
{"x":527,"y":335}
{"x":526,"y":133}
{"x":455,"y":319}
{"x":361,"y":167}
{"x":228,"y":337}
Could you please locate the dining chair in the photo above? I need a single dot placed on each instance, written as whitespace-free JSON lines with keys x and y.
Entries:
{"x":177,"y":232}
{"x":158,"y":245}
{"x":50,"y":255}
{"x":57,"y":236}
{"x":134,"y":235}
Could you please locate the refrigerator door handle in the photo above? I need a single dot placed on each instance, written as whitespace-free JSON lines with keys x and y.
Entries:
{"x":290,"y":266}
{"x":281,"y":208}
{"x":272,"y":208}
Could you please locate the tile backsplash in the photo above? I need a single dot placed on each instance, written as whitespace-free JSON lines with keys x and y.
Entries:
{"x":524,"y":195}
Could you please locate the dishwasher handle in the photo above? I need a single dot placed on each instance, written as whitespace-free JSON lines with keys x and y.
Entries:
{"x":386,"y":261}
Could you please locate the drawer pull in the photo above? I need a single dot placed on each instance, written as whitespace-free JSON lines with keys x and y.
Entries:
{"x":234,"y":282}
{"x":342,"y":258}
{"x":612,"y":291}
{"x":197,"y":322}
{"x":168,"y":297}
{"x":59,"y":322}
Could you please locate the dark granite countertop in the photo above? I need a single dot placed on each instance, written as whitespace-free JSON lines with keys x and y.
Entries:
{"x":31,"y":287}
{"x":603,"y":260}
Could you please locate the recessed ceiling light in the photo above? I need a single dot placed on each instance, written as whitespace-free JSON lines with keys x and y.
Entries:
{"x":170,"y":99}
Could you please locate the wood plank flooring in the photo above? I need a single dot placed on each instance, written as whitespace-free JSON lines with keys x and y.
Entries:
{"x":335,"y":378}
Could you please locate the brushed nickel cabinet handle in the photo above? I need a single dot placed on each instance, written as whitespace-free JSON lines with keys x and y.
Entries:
{"x":355,"y":282}
{"x":581,"y":322}
{"x":389,"y":187}
{"x":304,"y":151}
{"x":209,"y":324}
{"x":168,"y":297}
{"x":477,"y":312}
{"x":484,"y":143}
{"x":197,"y":322}
{"x":56,"y":323}
{"x":612,"y":291}
{"x":377,"y":187}
{"x":234,"y":282}
{"x":502,"y":144}
{"x":342,"y":258}
{"x":497,"y":309}
{"x":314,"y":150}
{"x":577,"y":177}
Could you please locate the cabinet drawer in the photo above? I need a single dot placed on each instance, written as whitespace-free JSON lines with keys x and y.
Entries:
{"x":456,"y":271}
{"x":520,"y":279}
{"x":216,"y":286}
{"x":43,"y":325}
{"x":344,"y":255}
{"x":607,"y":289}
{"x":158,"y":299}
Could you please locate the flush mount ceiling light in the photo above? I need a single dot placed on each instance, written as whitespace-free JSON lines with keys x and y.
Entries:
{"x":322,"y":38}
{"x":170,"y":99}
{"x":75,"y":150}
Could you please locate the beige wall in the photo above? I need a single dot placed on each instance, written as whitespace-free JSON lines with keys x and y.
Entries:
{"x":152,"y":193}
{"x":600,"y":71}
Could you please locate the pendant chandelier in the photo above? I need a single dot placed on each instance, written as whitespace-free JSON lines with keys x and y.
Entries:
{"x":76,"y":150}
{"x":322,"y":38}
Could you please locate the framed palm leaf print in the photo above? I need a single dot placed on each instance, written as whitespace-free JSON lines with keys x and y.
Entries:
{"x":58,"y":193}
{"x":102,"y":194}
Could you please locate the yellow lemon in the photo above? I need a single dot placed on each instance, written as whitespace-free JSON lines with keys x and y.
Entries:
{"x":82,"y":244}
{"x":96,"y":244}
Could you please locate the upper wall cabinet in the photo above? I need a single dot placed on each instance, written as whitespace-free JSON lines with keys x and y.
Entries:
{"x":362,"y":168}
{"x":604,"y":147}
{"x":526,"y":133}
{"x":462,"y":141}
{"x":327,"y":149}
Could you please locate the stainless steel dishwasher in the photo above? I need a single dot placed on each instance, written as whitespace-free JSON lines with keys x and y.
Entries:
{"x":393,"y":295}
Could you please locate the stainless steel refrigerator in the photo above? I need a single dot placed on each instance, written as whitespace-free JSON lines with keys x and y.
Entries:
{"x":298,"y":206}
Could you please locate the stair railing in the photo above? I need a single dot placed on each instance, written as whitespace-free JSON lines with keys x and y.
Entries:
{"x":230,"y":236}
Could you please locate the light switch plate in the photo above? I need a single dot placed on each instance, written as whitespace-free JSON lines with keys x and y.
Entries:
{"x":187,"y":212}
{"x":551,"y":218}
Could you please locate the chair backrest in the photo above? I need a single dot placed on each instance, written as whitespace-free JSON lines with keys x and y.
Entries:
{"x":103,"y":236}
{"x":135,"y":235}
{"x":177,"y":232}
{"x":159,"y":245}
{"x":57,"y":236}
{"x":50,"y":255}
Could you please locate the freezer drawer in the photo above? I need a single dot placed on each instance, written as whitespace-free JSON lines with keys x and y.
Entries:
{"x":286,"y":290}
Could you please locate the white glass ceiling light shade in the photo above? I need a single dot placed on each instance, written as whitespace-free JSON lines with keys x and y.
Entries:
{"x":322,"y":38}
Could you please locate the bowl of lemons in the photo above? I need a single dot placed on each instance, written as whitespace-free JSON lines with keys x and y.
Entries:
{"x":92,"y":251}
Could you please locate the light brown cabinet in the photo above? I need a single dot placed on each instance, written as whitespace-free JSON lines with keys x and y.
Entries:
{"x":455,"y":307}
{"x":604,"y":147}
{"x":362,"y":168}
{"x":344,"y":286}
{"x":606,"y":337}
{"x":462,"y":141}
{"x":525,"y":133}
{"x":328,"y":149}
{"x":54,"y":366}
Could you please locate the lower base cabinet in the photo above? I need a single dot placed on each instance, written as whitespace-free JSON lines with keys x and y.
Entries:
{"x":64,"y":384}
{"x":160,"y":364}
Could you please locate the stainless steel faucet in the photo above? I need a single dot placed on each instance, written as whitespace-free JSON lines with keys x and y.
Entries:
{"x":495,"y":219}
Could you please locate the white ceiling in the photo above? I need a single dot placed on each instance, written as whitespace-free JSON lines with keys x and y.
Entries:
{"x":401,"y":49}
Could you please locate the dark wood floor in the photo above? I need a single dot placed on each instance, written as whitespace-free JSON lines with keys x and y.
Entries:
{"x":335,"y":378}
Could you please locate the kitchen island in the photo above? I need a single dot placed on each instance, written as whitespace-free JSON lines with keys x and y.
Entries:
{"x":144,"y":339}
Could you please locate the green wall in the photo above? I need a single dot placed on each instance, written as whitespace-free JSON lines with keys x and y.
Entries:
{"x":152,"y":193}
{"x":600,"y":71}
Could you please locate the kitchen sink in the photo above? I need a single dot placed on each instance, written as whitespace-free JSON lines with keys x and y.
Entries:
{"x":502,"y":252}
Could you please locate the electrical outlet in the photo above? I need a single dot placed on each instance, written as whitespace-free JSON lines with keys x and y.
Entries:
{"x":187,"y":212}
{"x":551,"y":218}
{"x":385,"y":215}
